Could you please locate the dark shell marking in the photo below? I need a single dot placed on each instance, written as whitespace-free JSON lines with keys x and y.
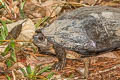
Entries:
{"x":86,"y":30}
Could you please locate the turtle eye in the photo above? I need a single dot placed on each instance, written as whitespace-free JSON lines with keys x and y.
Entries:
{"x":41,"y":38}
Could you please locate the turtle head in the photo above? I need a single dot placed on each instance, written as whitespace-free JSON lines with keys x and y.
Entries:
{"x":39,"y":40}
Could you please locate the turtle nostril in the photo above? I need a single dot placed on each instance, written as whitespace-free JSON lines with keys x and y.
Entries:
{"x":35,"y":37}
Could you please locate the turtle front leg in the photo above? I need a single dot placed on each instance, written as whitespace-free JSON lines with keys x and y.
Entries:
{"x":61,"y":55}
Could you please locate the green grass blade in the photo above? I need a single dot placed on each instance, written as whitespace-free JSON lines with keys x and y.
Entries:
{"x":8,"y":78}
{"x":3,"y":4}
{"x":50,"y":75}
{"x":7,"y":49}
{"x":9,"y":63}
{"x":28,"y":68}
{"x":5,"y":30}
{"x":41,"y":21}
{"x":23,"y":71}
{"x":13,"y":56}
{"x":21,"y":9}
{"x":44,"y":70}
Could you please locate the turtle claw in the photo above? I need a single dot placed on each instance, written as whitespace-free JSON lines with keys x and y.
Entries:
{"x":58,"y":66}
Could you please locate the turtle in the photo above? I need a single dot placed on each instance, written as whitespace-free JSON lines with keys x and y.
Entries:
{"x":86,"y":30}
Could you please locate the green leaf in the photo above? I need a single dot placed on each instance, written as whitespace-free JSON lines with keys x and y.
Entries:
{"x":21,"y":9}
{"x":36,"y":69}
{"x":3,"y":4}
{"x":44,"y":70}
{"x":28,"y":68}
{"x":41,"y":21}
{"x":50,"y":75}
{"x":2,"y":33}
{"x":13,"y":56}
{"x":23,"y":71}
{"x":12,"y":44}
{"x":22,"y":4}
{"x":33,"y":72}
{"x":5,"y":30}
{"x":71,"y":76}
{"x":7,"y":49}
{"x":8,"y":78}
{"x":9,"y":63}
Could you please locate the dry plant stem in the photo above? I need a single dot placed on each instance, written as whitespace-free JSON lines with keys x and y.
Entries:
{"x":40,"y":1}
{"x":96,"y":1}
{"x":14,"y":40}
{"x":13,"y":74}
{"x":86,"y":71}
{"x":72,"y":3}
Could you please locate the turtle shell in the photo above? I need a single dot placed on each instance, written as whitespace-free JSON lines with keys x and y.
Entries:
{"x":86,"y":30}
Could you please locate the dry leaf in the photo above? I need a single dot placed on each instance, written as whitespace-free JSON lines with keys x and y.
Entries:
{"x":17,"y":65}
{"x":92,"y":2}
{"x":28,"y":30}
{"x":26,"y":34}
{"x":53,"y":7}
{"x":34,"y":10}
{"x":109,"y":55}
{"x":110,"y":3}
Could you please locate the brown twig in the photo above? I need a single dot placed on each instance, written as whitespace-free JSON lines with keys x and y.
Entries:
{"x":106,"y":70}
{"x":14,"y":40}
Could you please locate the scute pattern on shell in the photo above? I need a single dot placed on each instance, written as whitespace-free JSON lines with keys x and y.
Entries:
{"x":86,"y":30}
